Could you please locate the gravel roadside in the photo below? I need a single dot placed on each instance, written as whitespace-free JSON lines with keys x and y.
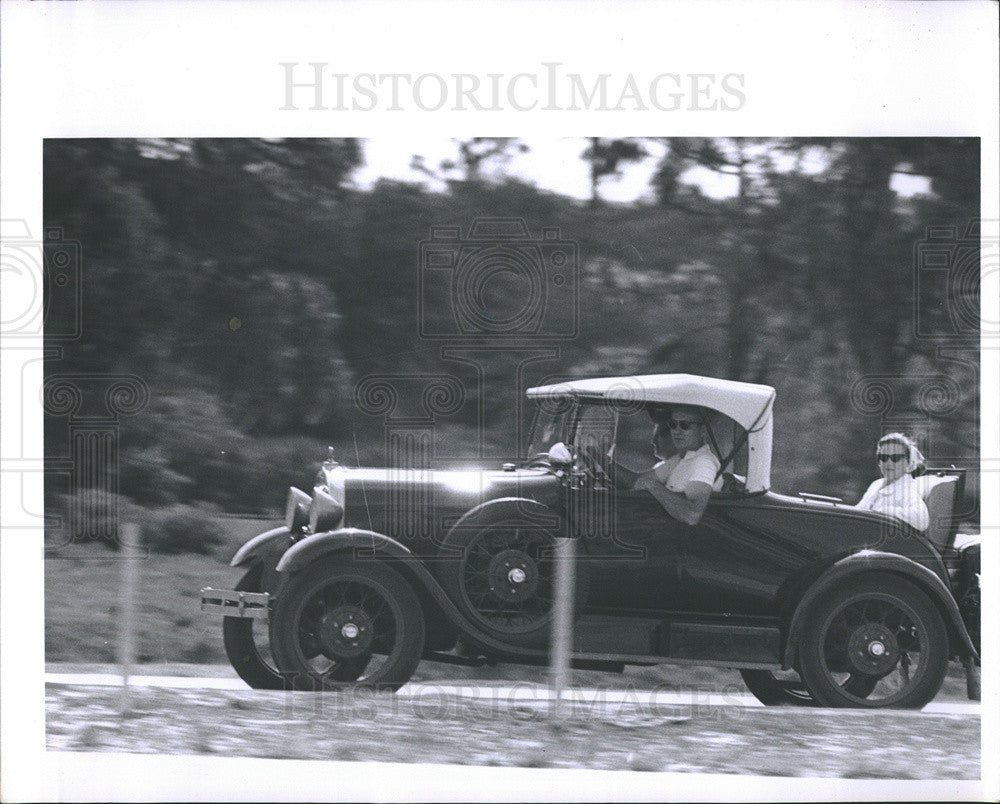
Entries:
{"x":363,"y":726}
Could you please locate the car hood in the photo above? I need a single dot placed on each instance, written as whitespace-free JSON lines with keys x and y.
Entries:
{"x":444,"y":489}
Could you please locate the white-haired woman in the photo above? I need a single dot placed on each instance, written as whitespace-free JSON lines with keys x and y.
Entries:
{"x":896,"y":492}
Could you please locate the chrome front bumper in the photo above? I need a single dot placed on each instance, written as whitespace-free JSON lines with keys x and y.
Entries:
{"x":230,"y":603}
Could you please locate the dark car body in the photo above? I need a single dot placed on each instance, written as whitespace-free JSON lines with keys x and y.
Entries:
{"x":735,"y":589}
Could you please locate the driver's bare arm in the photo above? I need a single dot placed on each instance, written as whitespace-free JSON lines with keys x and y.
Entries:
{"x":623,"y":477}
{"x":687,"y":507}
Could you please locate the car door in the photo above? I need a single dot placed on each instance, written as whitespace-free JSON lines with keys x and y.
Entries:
{"x":736,"y":559}
{"x":631,"y":546}
{"x":633,"y":562}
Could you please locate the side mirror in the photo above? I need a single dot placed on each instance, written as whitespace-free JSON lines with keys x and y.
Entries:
{"x":559,"y":454}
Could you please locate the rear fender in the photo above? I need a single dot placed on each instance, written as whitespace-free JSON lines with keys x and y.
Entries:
{"x":876,"y":560}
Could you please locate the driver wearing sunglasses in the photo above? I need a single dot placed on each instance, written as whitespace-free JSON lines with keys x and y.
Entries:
{"x":896,"y":492}
{"x":682,"y":483}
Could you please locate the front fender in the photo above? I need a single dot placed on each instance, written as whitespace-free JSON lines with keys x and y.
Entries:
{"x":319,"y":544}
{"x":870,"y":560}
{"x":260,"y":545}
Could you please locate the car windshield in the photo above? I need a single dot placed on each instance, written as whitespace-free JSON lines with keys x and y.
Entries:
{"x":551,"y":425}
{"x":589,"y":427}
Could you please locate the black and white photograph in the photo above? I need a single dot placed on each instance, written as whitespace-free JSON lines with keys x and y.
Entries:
{"x":647,"y":451}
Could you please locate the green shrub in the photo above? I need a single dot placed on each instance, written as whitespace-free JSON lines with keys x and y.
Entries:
{"x":182,"y":529}
{"x":88,"y":515}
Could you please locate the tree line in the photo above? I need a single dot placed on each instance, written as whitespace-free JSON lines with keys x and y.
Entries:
{"x":252,"y":287}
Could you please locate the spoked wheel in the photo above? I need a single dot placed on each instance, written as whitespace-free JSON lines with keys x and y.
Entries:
{"x":786,"y":688}
{"x":777,"y":689}
{"x":503,"y":580}
{"x":247,"y":644}
{"x":880,"y":627}
{"x":346,"y":623}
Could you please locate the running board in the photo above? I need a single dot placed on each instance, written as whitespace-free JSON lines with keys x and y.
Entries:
{"x":606,"y":665}
{"x":451,"y":658}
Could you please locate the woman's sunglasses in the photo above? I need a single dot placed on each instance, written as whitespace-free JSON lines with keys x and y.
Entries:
{"x":678,"y":424}
{"x":885,"y":456}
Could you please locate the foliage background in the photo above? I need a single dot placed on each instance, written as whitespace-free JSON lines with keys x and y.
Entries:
{"x":252,"y":286}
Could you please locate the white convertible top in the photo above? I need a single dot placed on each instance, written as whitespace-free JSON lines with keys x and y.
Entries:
{"x":748,"y":404}
{"x":744,"y":402}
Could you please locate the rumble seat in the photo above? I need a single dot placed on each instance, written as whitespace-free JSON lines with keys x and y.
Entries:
{"x":940,"y":489}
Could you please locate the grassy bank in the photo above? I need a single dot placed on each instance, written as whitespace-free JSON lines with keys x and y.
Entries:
{"x":82,"y":587}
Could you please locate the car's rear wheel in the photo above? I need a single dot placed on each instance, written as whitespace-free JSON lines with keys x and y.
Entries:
{"x":342,"y":623}
{"x":883,"y":628}
{"x":247,"y":643}
{"x":502,"y":576}
{"x":788,"y":689}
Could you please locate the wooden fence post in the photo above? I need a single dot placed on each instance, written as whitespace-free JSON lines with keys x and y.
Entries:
{"x":129,"y":547}
{"x":562,"y":623}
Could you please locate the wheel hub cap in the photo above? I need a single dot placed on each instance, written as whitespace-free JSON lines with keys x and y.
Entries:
{"x":513,"y":575}
{"x":345,"y":632}
{"x":873,"y":649}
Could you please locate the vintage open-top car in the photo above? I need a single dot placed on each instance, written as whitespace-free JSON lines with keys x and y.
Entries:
{"x":812,"y":599}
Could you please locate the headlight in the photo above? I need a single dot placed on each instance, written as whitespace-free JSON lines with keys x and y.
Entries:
{"x":297,"y":509}
{"x":325,"y":513}
{"x":329,"y":494}
{"x":330,"y":478}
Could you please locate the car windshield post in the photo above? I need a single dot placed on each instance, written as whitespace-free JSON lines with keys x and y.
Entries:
{"x":536,"y":421}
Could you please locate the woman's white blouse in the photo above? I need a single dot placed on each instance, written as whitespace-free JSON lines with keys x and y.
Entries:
{"x":901,"y":499}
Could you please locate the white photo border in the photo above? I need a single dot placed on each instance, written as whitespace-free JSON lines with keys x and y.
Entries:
{"x":191,"y":69}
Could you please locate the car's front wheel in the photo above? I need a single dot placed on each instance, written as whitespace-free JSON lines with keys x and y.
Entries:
{"x":879,"y":627}
{"x":342,"y":622}
{"x":246,"y":641}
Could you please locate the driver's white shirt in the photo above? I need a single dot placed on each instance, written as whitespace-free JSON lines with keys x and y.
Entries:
{"x":697,"y":466}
